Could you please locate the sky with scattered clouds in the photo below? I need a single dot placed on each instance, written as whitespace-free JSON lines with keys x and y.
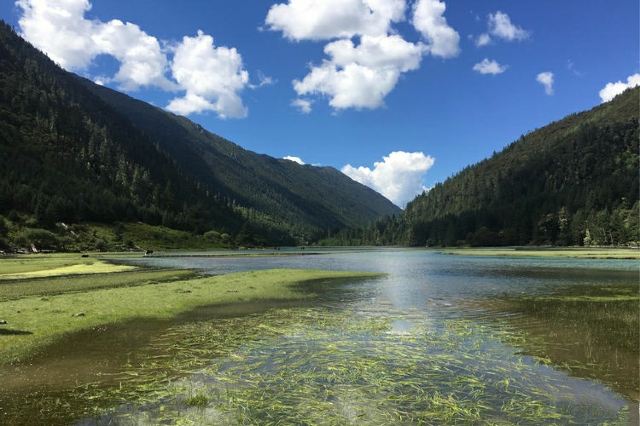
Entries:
{"x":398,"y":94}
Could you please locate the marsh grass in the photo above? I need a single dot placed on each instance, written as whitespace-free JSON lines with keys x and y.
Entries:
{"x":590,"y":331}
{"x":577,"y":252}
{"x":198,"y":399}
{"x":311,"y":364}
{"x":40,"y":266}
{"x":318,"y":366}
{"x":16,"y":289}
{"x":37,"y":262}
{"x":47,"y":319}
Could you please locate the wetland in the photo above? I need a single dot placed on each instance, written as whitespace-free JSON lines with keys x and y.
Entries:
{"x":421,"y":338}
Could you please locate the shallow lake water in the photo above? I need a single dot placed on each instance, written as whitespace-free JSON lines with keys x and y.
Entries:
{"x":420,"y":345}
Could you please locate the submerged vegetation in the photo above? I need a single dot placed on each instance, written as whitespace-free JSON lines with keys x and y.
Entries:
{"x":151,"y":346}
{"x":198,"y":399}
{"x":314,"y":365}
{"x":590,"y":331}
{"x":35,"y":321}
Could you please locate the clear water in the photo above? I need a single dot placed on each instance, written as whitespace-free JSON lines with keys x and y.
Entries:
{"x":411,"y":347}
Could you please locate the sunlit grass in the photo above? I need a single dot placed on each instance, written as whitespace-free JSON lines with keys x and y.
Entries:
{"x":94,"y":267}
{"x":578,"y":252}
{"x":38,"y":263}
{"x":49,"y":286}
{"x":39,"y":321}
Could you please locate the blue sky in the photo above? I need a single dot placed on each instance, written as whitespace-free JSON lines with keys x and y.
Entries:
{"x":440,"y":106}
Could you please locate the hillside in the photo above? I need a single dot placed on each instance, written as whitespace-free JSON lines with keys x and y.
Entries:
{"x":573,"y":182}
{"x":74,"y":152}
{"x":284,"y":190}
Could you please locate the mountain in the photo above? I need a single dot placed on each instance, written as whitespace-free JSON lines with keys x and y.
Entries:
{"x":73,"y":151}
{"x":284,"y":190}
{"x":573,"y":182}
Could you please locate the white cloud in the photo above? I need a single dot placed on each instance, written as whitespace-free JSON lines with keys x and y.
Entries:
{"x":366,"y":61}
{"x":361,"y":76}
{"x":59,"y":28}
{"x":483,"y":40}
{"x":429,"y":20}
{"x":487,"y":66}
{"x":571,"y":66}
{"x":303,"y":105}
{"x":328,"y":19}
{"x":212,"y":76}
{"x":294,"y":159}
{"x":500,"y":26}
{"x":611,"y":90}
{"x":399,"y":176}
{"x":379,"y":52}
{"x":263,"y":80}
{"x":546,"y":79}
{"x":142,"y":62}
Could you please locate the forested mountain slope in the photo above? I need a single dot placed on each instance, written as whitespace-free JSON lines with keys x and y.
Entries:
{"x":72,"y":151}
{"x":572,"y":182}
{"x":283,"y":190}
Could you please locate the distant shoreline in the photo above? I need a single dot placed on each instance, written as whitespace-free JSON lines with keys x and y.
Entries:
{"x":569,"y":252}
{"x":517,"y":251}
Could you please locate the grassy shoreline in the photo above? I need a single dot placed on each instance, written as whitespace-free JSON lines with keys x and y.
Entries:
{"x":59,"y":264}
{"x":34,"y":322}
{"x":559,"y":252}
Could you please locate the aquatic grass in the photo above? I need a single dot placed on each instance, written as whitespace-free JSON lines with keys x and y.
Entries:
{"x":341,"y":363}
{"x":283,"y":367}
{"x":45,"y":321}
{"x":198,"y":399}
{"x":589,"y":331}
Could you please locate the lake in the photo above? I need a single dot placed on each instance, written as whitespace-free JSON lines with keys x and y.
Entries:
{"x":440,"y":339}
